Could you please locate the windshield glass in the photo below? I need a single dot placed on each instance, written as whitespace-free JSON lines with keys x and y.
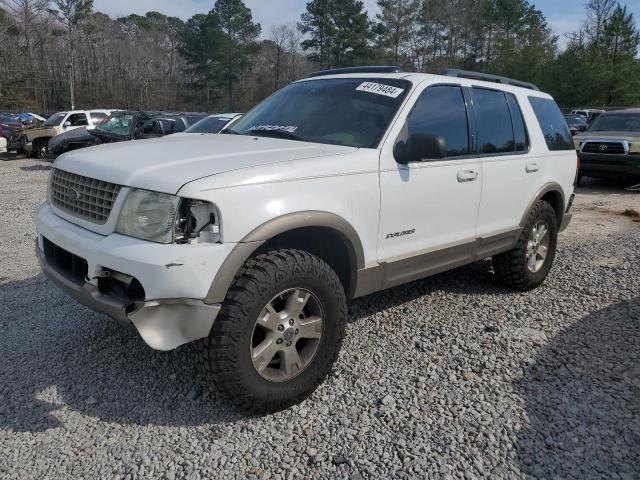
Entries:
{"x":54,"y":120}
{"x":575,"y":120}
{"x":208,"y":125}
{"x":348,"y":111}
{"x":620,"y":122}
{"x":118,"y":123}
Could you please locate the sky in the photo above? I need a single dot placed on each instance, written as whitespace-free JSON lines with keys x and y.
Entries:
{"x":564,"y":16}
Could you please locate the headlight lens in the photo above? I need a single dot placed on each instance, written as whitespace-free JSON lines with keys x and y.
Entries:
{"x":149,"y":216}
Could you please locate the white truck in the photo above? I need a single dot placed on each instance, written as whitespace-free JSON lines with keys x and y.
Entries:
{"x":337,"y":186}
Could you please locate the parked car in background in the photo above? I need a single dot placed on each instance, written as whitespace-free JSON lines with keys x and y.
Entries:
{"x":213,"y":123}
{"x":611,"y":145}
{"x":590,"y":114}
{"x":9,"y":124}
{"x":169,"y":123}
{"x":122,"y":126}
{"x":35,"y":140}
{"x":576,"y":123}
{"x":28,"y":118}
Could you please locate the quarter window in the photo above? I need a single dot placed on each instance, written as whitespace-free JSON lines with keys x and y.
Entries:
{"x":441,"y":110}
{"x":495,"y":132}
{"x":554,"y":127}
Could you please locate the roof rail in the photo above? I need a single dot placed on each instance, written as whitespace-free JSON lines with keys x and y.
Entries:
{"x":487,"y":77}
{"x":371,"y":69}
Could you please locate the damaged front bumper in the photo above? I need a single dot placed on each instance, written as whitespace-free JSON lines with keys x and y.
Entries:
{"x":160,"y":289}
{"x":162,"y":324}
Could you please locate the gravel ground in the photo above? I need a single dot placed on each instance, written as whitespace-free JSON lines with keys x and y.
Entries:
{"x":451,"y":377}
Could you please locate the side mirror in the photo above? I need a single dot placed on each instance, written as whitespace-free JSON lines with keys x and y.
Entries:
{"x":419,"y":147}
{"x":66,"y":124}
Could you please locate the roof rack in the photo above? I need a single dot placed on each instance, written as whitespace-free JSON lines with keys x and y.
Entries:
{"x":487,"y":77}
{"x":371,"y":69}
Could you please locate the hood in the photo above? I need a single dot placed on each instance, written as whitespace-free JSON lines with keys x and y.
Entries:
{"x":166,"y":164}
{"x":618,"y":135}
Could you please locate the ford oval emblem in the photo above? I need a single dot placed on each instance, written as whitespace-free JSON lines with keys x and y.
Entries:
{"x":73,"y":194}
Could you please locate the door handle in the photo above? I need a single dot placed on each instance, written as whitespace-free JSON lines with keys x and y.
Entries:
{"x":532,"y":167}
{"x":467,"y":176}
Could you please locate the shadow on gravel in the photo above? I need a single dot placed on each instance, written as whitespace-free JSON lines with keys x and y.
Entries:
{"x":582,"y":398}
{"x":36,"y":168}
{"x":58,"y":358}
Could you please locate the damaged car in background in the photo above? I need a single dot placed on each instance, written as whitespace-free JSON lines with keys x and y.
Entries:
{"x":35,"y":140}
{"x":122,"y":126}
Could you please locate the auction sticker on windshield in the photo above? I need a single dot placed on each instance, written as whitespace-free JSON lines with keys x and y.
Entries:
{"x":380,"y":89}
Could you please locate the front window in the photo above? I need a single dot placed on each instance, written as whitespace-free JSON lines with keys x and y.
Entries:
{"x":617,"y":122}
{"x":353,"y":112}
{"x":54,"y":120}
{"x":118,"y":123}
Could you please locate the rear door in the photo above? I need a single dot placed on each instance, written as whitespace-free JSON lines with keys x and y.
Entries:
{"x":512,"y":172}
{"x":433,"y":204}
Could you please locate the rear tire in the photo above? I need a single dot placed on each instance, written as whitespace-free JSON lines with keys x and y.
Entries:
{"x":232,"y":356}
{"x":527,"y":265}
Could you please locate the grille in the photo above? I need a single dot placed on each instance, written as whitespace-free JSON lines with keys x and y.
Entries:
{"x":84,"y":197}
{"x":606,"y":148}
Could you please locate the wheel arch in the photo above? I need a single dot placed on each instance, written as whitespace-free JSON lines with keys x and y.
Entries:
{"x":553,"y":194}
{"x":324,"y":234}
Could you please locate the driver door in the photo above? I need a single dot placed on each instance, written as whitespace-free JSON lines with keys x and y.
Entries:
{"x":429,"y":208}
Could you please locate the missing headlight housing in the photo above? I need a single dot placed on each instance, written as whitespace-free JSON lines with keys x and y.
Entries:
{"x":197,"y":222}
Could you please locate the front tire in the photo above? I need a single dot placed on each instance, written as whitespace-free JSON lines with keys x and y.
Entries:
{"x":278,"y":333}
{"x":527,"y":265}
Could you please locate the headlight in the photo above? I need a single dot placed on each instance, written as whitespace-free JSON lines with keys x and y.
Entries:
{"x":149,"y":216}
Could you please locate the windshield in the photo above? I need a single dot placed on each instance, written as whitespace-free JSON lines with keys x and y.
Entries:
{"x":619,"y":122}
{"x":208,"y":125}
{"x":54,"y":120}
{"x":347,"y":111}
{"x":575,"y":120}
{"x":118,"y":123}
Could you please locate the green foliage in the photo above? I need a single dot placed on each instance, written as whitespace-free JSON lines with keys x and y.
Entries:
{"x":339,"y":32}
{"x":599,"y":67}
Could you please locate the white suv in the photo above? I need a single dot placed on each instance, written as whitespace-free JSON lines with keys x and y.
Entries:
{"x":337,"y":186}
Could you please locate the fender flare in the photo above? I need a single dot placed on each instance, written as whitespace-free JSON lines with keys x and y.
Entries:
{"x":274,"y":227}
{"x":546,"y":188}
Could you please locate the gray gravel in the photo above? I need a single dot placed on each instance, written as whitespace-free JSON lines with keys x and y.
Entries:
{"x":451,"y":377}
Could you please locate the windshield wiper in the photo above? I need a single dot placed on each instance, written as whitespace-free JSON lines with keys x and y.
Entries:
{"x":276,"y":134}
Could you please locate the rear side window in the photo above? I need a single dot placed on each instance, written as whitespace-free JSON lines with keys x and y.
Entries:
{"x":554,"y":127}
{"x":495,"y":132}
{"x":441,"y":110}
{"x":519,"y":129}
{"x":78,"y":119}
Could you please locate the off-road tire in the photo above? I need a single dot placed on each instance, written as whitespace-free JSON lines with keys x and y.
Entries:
{"x":225,"y":353}
{"x":511,"y":266}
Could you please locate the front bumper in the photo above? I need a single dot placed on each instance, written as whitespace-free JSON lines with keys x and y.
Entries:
{"x":175,"y":279}
{"x":602,"y":164}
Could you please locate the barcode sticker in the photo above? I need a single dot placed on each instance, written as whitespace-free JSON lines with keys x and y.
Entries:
{"x":380,"y":89}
